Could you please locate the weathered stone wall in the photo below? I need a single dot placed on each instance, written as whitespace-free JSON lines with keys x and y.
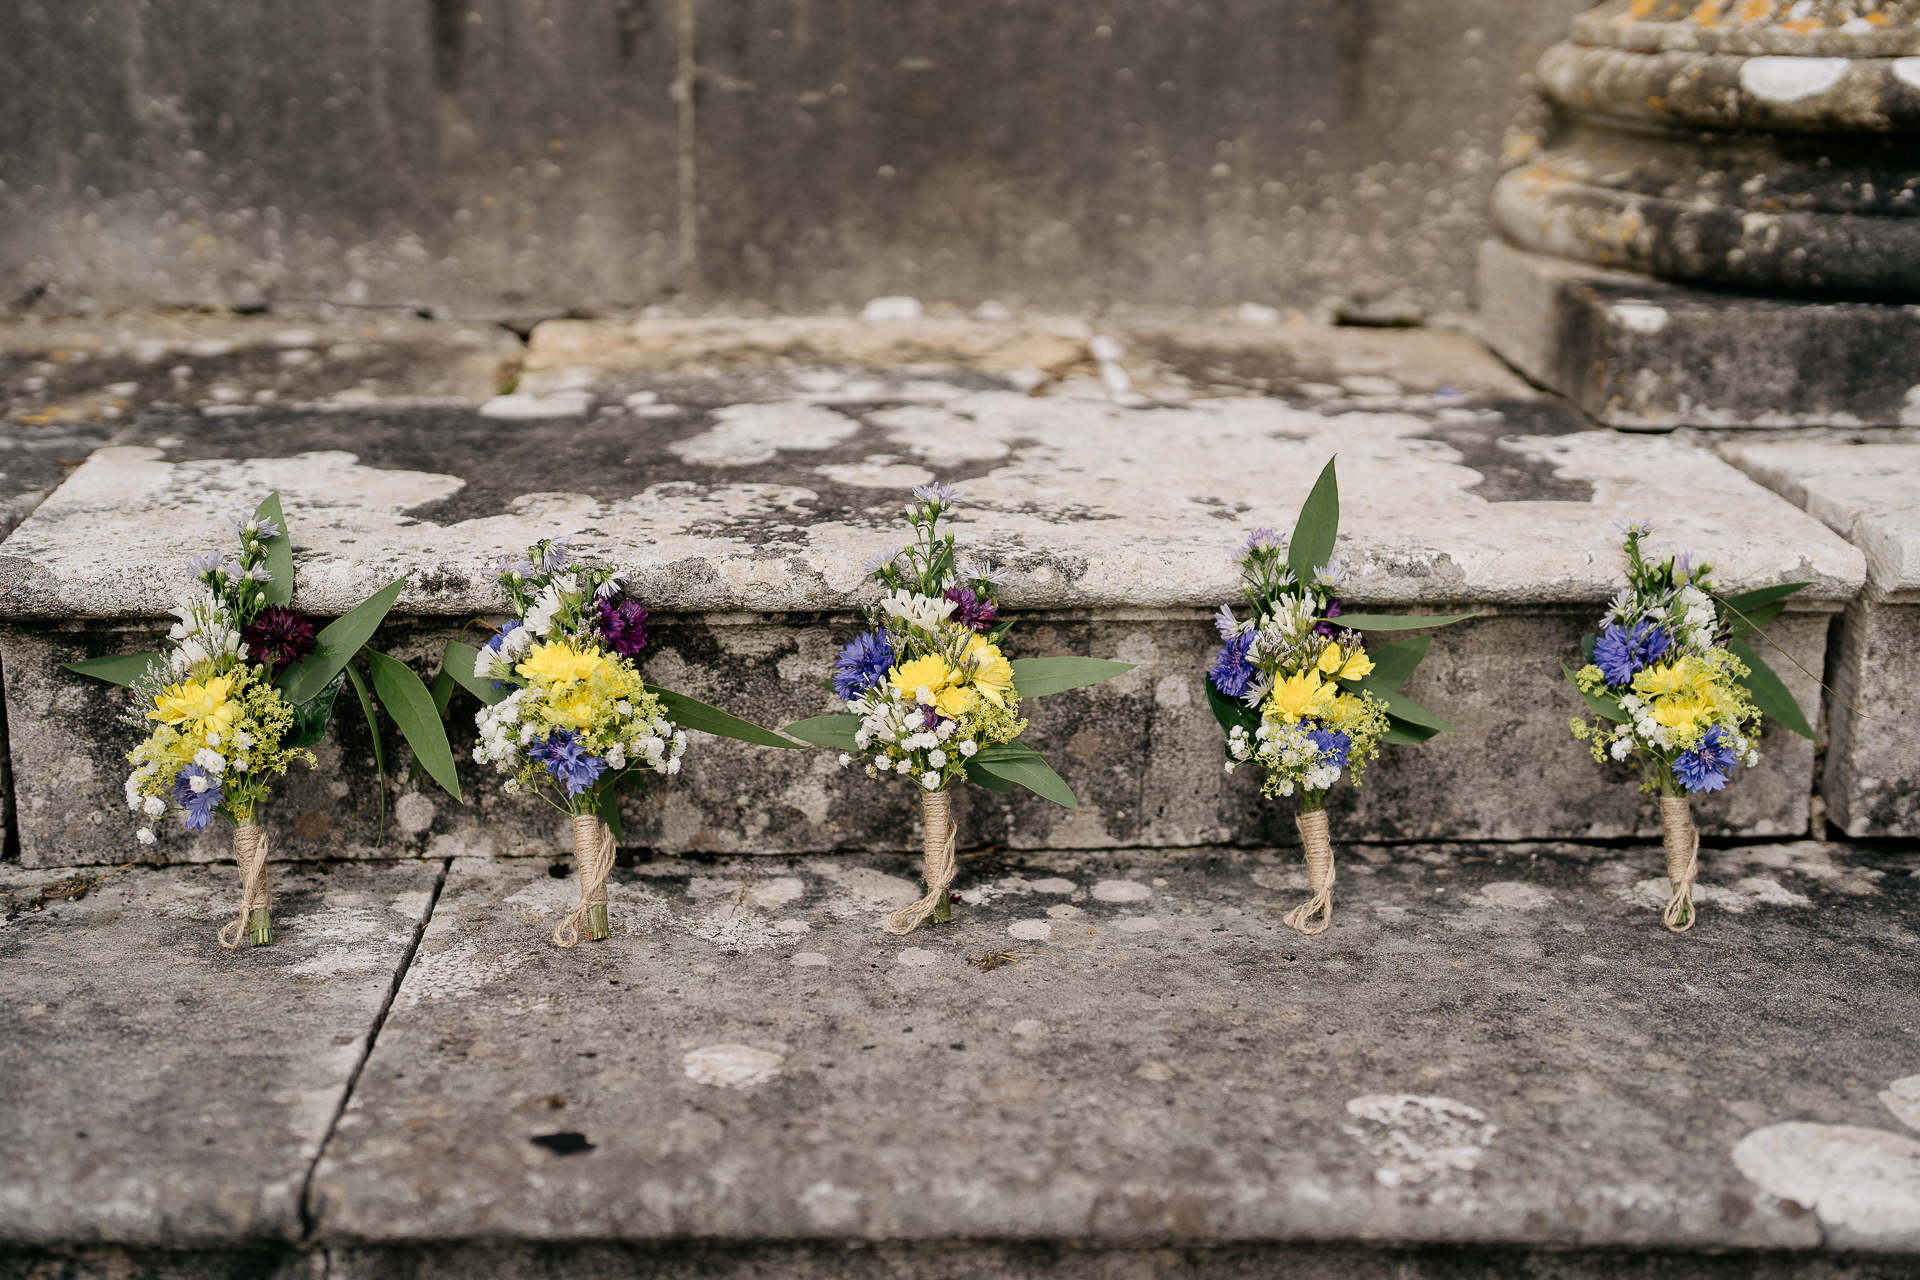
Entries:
{"x":1142,"y":753}
{"x":519,"y":156}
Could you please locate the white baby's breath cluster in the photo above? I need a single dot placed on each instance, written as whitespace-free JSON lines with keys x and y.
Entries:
{"x":924,"y":739}
{"x":512,"y":724}
{"x":1287,"y":752}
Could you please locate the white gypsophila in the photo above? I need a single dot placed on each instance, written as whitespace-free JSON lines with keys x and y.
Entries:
{"x":198,"y":784}
{"x":243,"y":764}
{"x":617,"y":756}
{"x":673,"y":766}
{"x":1622,"y":748}
{"x":154,"y":806}
{"x":145,"y":836}
{"x":210,"y":760}
{"x":623,"y":708}
{"x":937,"y":758}
{"x":845,"y":759}
{"x":213,"y":739}
{"x":243,"y":738}
{"x":931,"y":781}
{"x":916,"y":610}
{"x":134,"y":801}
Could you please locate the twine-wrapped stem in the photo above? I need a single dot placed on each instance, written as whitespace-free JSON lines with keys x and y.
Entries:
{"x":1313,"y":836}
{"x":941,"y":837}
{"x":255,"y":926}
{"x":593,"y":851}
{"x":1682,"y":843}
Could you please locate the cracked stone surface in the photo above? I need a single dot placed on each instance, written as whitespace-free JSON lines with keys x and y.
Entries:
{"x":1497,"y":1045}
{"x":163,"y":1091}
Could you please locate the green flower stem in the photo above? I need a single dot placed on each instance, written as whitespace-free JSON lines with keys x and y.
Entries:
{"x":259,"y":927}
{"x":597,"y":930}
{"x":1312,"y":801}
{"x":943,"y":910}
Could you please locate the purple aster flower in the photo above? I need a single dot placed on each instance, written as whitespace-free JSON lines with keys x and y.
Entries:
{"x":1325,"y":627}
{"x":1225,"y":623}
{"x":1621,"y":654}
{"x":277,"y":637}
{"x":1231,"y":670}
{"x":625,"y":626}
{"x":1625,"y":527}
{"x":944,"y":494}
{"x":556,"y":558}
{"x":1333,"y":746}
{"x":1263,"y":539}
{"x":204,"y":564}
{"x":879,"y":560}
{"x":863,"y":664}
{"x":262,"y":528}
{"x":568,"y":761}
{"x":1705,"y":768}
{"x":974,"y":612}
{"x":198,"y":804}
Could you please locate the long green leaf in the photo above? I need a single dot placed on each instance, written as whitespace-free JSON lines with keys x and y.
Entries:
{"x":1748,"y":601}
{"x":826,"y":731}
{"x":119,"y":668}
{"x":1030,"y":771}
{"x":442,"y":691}
{"x":1230,"y":712}
{"x":339,"y":642}
{"x":1317,"y":528}
{"x":1393,"y":663}
{"x":689,"y":714}
{"x":279,"y":552}
{"x":981,"y":778}
{"x":379,"y":756}
{"x":411,"y":706}
{"x":1037,"y":677}
{"x":1395,"y":621}
{"x":1769,"y":694}
{"x":457,"y":661}
{"x":1403,"y":708}
{"x":310,"y":717}
{"x":608,"y":804}
{"x":1604,"y":705}
{"x":1402,"y":733}
{"x":1754,"y":619}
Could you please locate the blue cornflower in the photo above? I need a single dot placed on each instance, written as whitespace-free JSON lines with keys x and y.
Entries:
{"x":944,"y":494}
{"x":862,"y":665}
{"x":1620,"y":654}
{"x":1333,"y":746}
{"x":1231,"y":670}
{"x":1705,"y":768}
{"x":568,"y":761}
{"x":198,"y":804}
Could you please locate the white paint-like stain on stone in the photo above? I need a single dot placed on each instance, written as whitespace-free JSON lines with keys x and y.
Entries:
{"x":519,"y":408}
{"x":1064,"y":911}
{"x":1155,"y":1071}
{"x":876,"y":475}
{"x":1789,"y":79}
{"x":737,"y":927}
{"x":335,"y":924}
{"x":1736,"y":899}
{"x":1031,"y":930}
{"x":746,"y":435}
{"x":1907,"y":71}
{"x":1417,"y":1138}
{"x":1902,"y":1097}
{"x":1638,"y":317}
{"x":456,"y":973}
{"x":1910,"y":405}
{"x":413,"y":813}
{"x":871,"y":888}
{"x":778,"y":892}
{"x":1053,"y":884}
{"x":832,"y":1206}
{"x":916,"y":958}
{"x":1865,"y":1180}
{"x":546,"y":896}
{"x":1173,"y":692}
{"x":792,"y":926}
{"x":412,"y":904}
{"x":1517,"y":895}
{"x":1029,"y":1027}
{"x":1138,"y":924}
{"x":893,"y":307}
{"x":736,"y":1066}
{"x":809,"y":960}
{"x":1121,"y":891}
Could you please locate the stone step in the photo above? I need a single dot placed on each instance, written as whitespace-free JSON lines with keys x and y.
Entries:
{"x":741,"y":498}
{"x":1494,"y":1053}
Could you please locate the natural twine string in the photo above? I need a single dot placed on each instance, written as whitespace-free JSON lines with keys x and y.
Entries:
{"x":1682,"y":841}
{"x":250,"y":850}
{"x":1313,"y":834}
{"x":937,"y":807}
{"x":593,"y":850}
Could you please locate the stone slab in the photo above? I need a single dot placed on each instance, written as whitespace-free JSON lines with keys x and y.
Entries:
{"x":1489,"y":1047}
{"x":1642,"y":354}
{"x":1868,"y":494}
{"x":163,"y":1091}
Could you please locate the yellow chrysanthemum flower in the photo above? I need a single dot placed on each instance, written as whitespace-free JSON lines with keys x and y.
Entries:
{"x":939,"y":679}
{"x":1687,"y":678}
{"x":1299,"y":698}
{"x":198,"y":707}
{"x":559,"y":663}
{"x":1348,"y":665}
{"x":1682,"y":713}
{"x":990,"y":672}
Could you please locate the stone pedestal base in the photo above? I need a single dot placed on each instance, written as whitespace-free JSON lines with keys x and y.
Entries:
{"x":1642,"y":354}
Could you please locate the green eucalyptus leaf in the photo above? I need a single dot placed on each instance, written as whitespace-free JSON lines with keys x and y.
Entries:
{"x":379,"y":755}
{"x":279,"y":552}
{"x":1404,"y":733}
{"x":119,"y":668}
{"x":338,"y":643}
{"x":310,"y":717}
{"x":1317,"y":528}
{"x":1393,"y":663}
{"x":1028,"y":769}
{"x":442,"y":691}
{"x":689,"y":714}
{"x":981,"y":778}
{"x":1037,"y":677}
{"x":1769,"y":694}
{"x":1230,"y":712}
{"x":411,"y":706}
{"x":607,"y":804}
{"x":826,"y":731}
{"x":1400,"y":707}
{"x":1394,"y":621}
{"x":1747,"y":601}
{"x":1605,"y":705}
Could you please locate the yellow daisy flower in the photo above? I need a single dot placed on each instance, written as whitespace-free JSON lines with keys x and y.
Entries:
{"x":1299,"y":698}
{"x":197,"y":707}
{"x":991,"y":673}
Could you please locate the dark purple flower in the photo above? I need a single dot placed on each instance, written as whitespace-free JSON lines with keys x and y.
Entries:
{"x":976,"y":613}
{"x":1327,"y":629}
{"x":198,"y":804}
{"x":568,"y":761}
{"x":1231,"y":670}
{"x":277,"y":637}
{"x":624,"y":626}
{"x":863,"y":664}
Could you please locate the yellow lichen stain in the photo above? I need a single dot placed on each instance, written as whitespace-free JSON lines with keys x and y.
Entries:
{"x":1708,"y":14}
{"x":1802,"y":26}
{"x":1640,"y":8}
{"x":1656,"y":103}
{"x":1877,"y":19}
{"x":1754,"y":10}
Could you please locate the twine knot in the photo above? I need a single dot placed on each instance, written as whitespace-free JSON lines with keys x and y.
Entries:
{"x":942,"y":834}
{"x":1682,"y":841}
{"x":593,"y":846}
{"x":250,"y":850}
{"x":1313,"y":835}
